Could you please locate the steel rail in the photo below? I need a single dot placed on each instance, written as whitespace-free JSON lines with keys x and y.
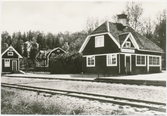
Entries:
{"x":92,"y":96}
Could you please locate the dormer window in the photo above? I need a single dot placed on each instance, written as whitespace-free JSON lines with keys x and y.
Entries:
{"x":128,"y":44}
{"x":10,"y":53}
{"x":99,"y":41}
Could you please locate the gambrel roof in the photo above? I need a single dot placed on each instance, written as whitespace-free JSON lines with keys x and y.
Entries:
{"x":120,"y":32}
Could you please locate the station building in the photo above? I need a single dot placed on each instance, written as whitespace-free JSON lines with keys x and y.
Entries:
{"x":117,"y":48}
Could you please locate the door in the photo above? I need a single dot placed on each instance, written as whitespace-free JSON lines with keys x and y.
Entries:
{"x":128,"y":64}
{"x":14,"y":65}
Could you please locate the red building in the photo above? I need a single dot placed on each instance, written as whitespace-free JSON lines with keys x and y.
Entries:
{"x":10,"y":60}
{"x":43,"y":57}
{"x":117,"y":48}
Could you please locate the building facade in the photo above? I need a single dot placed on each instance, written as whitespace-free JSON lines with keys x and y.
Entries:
{"x":43,"y":57}
{"x":118,"y":49}
{"x":10,"y":60}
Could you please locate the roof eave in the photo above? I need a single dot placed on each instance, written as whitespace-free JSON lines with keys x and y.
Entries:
{"x":151,"y":51}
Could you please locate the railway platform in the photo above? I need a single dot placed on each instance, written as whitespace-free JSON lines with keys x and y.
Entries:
{"x":146,"y":79}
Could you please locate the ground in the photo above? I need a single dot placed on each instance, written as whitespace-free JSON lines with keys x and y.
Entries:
{"x":143,"y":92}
{"x":72,"y":105}
{"x":32,"y":103}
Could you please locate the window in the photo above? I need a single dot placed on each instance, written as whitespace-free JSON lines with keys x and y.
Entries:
{"x":154,"y":60}
{"x":10,"y":53}
{"x":7,"y":62}
{"x":90,"y":61}
{"x":141,"y":60}
{"x":99,"y":41}
{"x":112,"y":60}
{"x":127,"y":44}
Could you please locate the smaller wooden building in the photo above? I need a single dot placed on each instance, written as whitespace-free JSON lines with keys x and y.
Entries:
{"x":10,"y":60}
{"x":43,"y":57}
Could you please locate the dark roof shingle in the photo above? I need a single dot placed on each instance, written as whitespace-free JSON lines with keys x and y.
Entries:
{"x":101,"y":29}
{"x":117,"y":30}
{"x":122,"y":37}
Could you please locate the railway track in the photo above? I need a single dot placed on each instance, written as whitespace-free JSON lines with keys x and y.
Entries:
{"x":156,"y":106}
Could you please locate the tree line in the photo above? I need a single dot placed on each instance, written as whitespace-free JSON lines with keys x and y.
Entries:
{"x":68,"y":41}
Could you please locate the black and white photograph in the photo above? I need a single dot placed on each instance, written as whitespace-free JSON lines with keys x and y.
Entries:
{"x":97,"y":57}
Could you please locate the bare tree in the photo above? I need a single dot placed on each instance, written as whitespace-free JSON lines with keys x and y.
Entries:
{"x":91,"y":24}
{"x":160,"y":34}
{"x":134,"y":11}
{"x":147,"y":28}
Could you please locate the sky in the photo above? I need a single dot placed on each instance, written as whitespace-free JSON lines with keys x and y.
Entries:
{"x":61,"y":16}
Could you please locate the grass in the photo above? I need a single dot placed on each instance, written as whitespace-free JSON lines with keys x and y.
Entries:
{"x":13,"y":102}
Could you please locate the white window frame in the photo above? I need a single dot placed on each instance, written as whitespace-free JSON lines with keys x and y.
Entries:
{"x":126,"y":44}
{"x":111,"y":56}
{"x":99,"y":41}
{"x":6,"y":62}
{"x":140,"y":61}
{"x":58,"y":50}
{"x":10,"y":53}
{"x":87,"y":59}
{"x":155,"y":60}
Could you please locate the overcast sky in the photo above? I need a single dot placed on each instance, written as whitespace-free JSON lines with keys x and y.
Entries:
{"x":61,"y":16}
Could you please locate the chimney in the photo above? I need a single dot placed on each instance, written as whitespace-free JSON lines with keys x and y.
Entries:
{"x":122,"y":18}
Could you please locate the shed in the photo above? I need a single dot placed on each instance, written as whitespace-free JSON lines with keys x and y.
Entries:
{"x":43,"y":56}
{"x":10,"y":60}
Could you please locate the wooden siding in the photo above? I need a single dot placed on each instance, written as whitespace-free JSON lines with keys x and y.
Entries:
{"x":135,"y":69}
{"x":143,"y":69}
{"x":14,"y":55}
{"x":133,"y":57}
{"x":101,"y":66}
{"x":109,"y":46}
{"x":138,"y":69}
{"x":87,"y":69}
{"x":9,"y":69}
{"x":122,"y":63}
{"x":154,"y":69}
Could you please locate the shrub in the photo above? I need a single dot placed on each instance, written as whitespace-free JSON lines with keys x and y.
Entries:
{"x":66,"y":63}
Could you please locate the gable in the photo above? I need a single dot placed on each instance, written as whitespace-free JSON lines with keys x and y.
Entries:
{"x":10,"y":52}
{"x":57,"y":50}
{"x":143,"y":42}
{"x":129,"y":42}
